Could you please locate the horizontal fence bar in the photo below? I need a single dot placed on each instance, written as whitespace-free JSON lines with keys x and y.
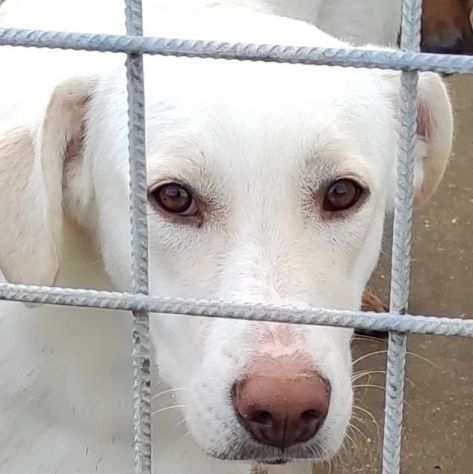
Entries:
{"x":344,"y":57}
{"x":428,"y":325}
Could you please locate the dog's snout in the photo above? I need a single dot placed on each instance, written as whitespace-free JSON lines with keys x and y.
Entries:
{"x":281,"y":404}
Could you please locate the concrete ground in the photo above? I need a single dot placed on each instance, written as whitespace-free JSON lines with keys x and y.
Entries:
{"x":438,"y":431}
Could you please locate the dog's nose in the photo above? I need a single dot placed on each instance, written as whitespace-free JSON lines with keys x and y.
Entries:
{"x":281,"y":405}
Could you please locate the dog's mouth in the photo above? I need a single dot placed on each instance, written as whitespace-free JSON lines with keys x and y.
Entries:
{"x":274,"y":461}
{"x":271,"y":456}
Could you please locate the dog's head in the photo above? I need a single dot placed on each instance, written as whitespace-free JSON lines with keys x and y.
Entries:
{"x":267,"y":183}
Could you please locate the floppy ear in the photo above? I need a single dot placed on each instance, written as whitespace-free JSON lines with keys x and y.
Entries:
{"x":31,"y":185}
{"x":435,"y":135}
{"x":434,"y":131}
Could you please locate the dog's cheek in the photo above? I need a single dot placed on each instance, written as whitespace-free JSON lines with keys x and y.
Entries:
{"x":181,"y":344}
{"x":336,"y":365}
{"x":210,"y":415}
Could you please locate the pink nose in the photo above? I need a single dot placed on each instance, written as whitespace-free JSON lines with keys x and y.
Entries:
{"x":281,"y":403}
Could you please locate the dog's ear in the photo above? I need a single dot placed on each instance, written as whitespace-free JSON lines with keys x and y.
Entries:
{"x":31,"y":185}
{"x":434,"y":131}
{"x":435,"y":135}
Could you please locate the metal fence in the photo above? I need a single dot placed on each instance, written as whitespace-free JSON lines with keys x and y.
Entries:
{"x":397,"y":321}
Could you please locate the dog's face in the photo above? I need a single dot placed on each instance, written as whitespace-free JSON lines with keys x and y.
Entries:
{"x":266,"y":184}
{"x":278,"y":206}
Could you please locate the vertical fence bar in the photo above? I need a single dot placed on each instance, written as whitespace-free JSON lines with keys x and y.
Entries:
{"x":402,"y":236}
{"x":139,"y":244}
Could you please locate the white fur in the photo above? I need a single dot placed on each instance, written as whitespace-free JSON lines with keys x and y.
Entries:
{"x":258,"y":142}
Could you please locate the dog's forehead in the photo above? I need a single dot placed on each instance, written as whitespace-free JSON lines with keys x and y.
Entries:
{"x":259,"y":112}
{"x":232,"y":86}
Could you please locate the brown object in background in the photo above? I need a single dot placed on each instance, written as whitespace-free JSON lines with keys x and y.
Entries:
{"x":373,"y":303}
{"x":447,"y":27}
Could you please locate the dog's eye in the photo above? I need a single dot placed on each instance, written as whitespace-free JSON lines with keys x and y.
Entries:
{"x":342,"y":195}
{"x":175,"y":199}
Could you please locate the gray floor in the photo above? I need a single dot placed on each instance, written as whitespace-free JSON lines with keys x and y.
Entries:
{"x":438,"y":434}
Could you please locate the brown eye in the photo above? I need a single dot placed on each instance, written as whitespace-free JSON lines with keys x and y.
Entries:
{"x":342,"y":194}
{"x":175,"y":199}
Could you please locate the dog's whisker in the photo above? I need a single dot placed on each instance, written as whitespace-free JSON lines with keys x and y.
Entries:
{"x":378,"y":387}
{"x":365,"y":439}
{"x":171,"y":407}
{"x":367,"y":356}
{"x":351,"y":439}
{"x":364,"y":423}
{"x":365,"y":338}
{"x":314,"y":452}
{"x":368,"y":414}
{"x":344,"y":450}
{"x":329,"y":461}
{"x":359,"y":375}
{"x":424,"y":359}
{"x":169,"y":391}
{"x":366,"y":373}
{"x":359,"y":431}
{"x":408,"y":353}
{"x":359,"y":419}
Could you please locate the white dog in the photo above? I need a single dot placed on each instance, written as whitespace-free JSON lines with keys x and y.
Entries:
{"x":267,"y":183}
